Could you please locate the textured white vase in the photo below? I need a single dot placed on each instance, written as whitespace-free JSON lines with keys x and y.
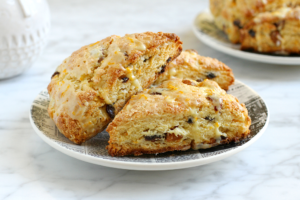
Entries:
{"x":24,"y":26}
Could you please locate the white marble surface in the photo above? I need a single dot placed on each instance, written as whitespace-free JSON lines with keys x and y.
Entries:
{"x":30,"y":169}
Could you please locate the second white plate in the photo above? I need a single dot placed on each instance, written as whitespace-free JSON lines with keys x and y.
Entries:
{"x":207,"y":32}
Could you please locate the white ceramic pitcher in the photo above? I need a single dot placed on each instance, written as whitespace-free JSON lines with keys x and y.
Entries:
{"x":24,"y":26}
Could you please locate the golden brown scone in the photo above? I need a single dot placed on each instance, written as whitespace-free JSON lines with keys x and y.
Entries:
{"x":177,"y":115}
{"x":190,"y":65}
{"x":232,"y":15}
{"x":94,"y":83}
{"x":277,"y":31}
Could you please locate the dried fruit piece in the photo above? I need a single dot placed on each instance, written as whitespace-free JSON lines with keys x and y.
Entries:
{"x":223,"y":137}
{"x":171,"y":137}
{"x":190,"y":121}
{"x":163,"y":68}
{"x":209,"y":118}
{"x":124,"y":79}
{"x":153,"y":138}
{"x":189,"y":82}
{"x":55,"y":73}
{"x":252,"y":33}
{"x":275,"y":37}
{"x":110,"y":111}
{"x":199,"y":80}
{"x":155,"y":93}
{"x":211,"y":75}
{"x":237,"y":23}
{"x":100,"y":59}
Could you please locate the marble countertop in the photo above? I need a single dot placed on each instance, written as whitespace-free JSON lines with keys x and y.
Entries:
{"x":31,"y":169}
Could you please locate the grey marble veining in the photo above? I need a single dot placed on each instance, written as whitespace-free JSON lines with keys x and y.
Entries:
{"x":31,"y":169}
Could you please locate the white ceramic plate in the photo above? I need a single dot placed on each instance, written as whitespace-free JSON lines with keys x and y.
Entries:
{"x":206,"y":31}
{"x":94,"y":151}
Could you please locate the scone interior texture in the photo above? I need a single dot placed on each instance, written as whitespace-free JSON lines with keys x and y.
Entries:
{"x":94,"y":83}
{"x":277,"y":31}
{"x":190,"y":65}
{"x":178,"y":115}
{"x":231,"y":16}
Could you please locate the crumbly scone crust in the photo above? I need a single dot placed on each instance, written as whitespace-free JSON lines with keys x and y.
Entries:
{"x":170,"y":116}
{"x":94,"y":83}
{"x":231,"y":16}
{"x":190,"y":65}
{"x":272,"y":32}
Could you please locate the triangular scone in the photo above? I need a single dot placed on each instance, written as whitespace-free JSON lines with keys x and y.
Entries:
{"x":273,"y":32}
{"x":178,"y":115}
{"x":190,"y":65}
{"x":94,"y":83}
{"x":231,"y":16}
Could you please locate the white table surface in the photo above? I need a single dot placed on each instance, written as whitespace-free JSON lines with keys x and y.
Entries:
{"x":31,"y":169}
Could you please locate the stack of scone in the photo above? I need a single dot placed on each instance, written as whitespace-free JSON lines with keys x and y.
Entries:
{"x":153,"y":98}
{"x":266,"y":26}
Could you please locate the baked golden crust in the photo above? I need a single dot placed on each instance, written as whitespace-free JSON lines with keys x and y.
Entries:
{"x":94,"y":83}
{"x":231,"y":16}
{"x":177,"y":115}
{"x":271,"y":32}
{"x":190,"y":65}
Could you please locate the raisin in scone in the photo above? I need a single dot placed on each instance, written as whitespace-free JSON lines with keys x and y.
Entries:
{"x":190,"y":65}
{"x":94,"y":83}
{"x":232,"y":15}
{"x":277,"y":31}
{"x":177,"y":115}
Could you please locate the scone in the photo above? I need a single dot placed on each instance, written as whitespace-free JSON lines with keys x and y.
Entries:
{"x":232,"y":15}
{"x":190,"y":65}
{"x":277,"y":31}
{"x":94,"y":83}
{"x":177,"y":115}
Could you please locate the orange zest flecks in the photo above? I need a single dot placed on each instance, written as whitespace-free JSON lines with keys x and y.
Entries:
{"x":217,"y":124}
{"x":181,"y":92}
{"x":143,"y":96}
{"x":94,"y":43}
{"x":131,"y":40}
{"x":63,"y":93}
{"x":128,"y":70}
{"x":110,"y":63}
{"x":73,"y":113}
{"x":130,"y":75}
{"x":172,"y":87}
{"x":64,"y":71}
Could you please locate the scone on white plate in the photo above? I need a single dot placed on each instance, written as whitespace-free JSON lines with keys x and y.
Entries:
{"x":177,"y":115}
{"x":92,"y":85}
{"x":273,"y":32}
{"x":232,"y":15}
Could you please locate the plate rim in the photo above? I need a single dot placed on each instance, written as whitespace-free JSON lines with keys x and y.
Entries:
{"x":151,"y":166}
{"x":213,"y":43}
